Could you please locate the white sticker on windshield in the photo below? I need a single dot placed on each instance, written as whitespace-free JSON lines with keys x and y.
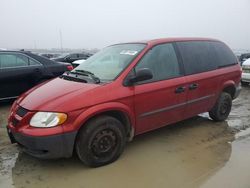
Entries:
{"x":128,"y":52}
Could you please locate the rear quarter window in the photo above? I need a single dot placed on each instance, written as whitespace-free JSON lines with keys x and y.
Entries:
{"x":224,"y":54}
{"x":33,"y":62}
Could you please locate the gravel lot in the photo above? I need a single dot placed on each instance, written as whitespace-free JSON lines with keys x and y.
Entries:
{"x":194,"y":153}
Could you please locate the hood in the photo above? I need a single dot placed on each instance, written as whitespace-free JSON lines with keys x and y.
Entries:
{"x":53,"y":95}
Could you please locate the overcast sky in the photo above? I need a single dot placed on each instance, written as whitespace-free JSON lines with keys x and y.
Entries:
{"x":98,"y":23}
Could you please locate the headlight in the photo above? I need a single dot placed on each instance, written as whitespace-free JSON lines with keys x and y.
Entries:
{"x":47,"y":119}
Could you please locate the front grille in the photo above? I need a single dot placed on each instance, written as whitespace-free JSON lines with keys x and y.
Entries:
{"x":14,"y":122}
{"x":21,"y":111}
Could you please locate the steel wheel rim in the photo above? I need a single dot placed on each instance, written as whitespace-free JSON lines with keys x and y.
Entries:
{"x":224,"y":108}
{"x":104,"y":143}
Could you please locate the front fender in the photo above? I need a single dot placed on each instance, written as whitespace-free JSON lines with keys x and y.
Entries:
{"x":101,"y":108}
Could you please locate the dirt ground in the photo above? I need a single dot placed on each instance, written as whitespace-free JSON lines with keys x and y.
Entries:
{"x":194,"y":153}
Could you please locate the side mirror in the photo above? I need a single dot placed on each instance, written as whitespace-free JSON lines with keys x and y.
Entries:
{"x":140,"y":75}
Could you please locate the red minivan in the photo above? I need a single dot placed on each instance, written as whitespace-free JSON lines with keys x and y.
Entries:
{"x":122,"y":91}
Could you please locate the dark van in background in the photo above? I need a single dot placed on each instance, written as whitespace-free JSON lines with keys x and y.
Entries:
{"x":123,"y":91}
{"x":71,"y":57}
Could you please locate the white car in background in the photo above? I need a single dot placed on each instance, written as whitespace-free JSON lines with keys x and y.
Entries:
{"x":245,"y":78}
{"x":78,"y":62}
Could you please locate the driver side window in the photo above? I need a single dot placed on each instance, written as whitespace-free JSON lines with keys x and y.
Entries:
{"x":162,"y":61}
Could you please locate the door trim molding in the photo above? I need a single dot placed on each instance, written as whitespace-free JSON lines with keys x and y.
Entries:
{"x":175,"y":106}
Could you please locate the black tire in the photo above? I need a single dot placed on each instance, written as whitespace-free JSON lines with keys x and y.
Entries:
{"x":222,"y":107}
{"x":244,"y":83}
{"x":101,"y":141}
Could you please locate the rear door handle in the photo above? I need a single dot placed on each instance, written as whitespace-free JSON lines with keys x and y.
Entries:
{"x":180,"y":89}
{"x":193,"y":86}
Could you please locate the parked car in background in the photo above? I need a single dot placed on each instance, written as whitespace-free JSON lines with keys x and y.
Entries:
{"x":78,"y":62}
{"x":122,"y":91}
{"x":71,"y":57}
{"x":49,"y":55}
{"x":21,"y":70}
{"x":245,"y":78}
{"x":244,"y":57}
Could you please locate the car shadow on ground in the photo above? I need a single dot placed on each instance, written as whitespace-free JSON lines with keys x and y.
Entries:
{"x":190,"y":148}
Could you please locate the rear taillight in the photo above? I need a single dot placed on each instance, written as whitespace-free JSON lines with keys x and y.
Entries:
{"x":70,"y":67}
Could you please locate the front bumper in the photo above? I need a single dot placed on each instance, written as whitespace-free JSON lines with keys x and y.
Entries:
{"x":45,"y":147}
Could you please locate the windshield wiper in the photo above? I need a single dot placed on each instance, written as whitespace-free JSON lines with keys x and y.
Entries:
{"x":66,"y":76}
{"x":87,"y":73}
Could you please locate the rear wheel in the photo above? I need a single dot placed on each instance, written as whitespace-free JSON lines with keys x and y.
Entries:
{"x":101,"y":141}
{"x":222,"y":107}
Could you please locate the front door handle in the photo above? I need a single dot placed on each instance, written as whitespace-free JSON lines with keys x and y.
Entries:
{"x":193,"y":86}
{"x":37,"y":70}
{"x":180,"y":89}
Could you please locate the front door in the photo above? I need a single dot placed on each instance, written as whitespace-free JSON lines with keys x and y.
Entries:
{"x":161,"y":100}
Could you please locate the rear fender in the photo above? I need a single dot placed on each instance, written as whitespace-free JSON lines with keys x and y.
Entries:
{"x":229,"y":83}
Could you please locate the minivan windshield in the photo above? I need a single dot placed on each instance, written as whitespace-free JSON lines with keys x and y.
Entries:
{"x":108,"y":63}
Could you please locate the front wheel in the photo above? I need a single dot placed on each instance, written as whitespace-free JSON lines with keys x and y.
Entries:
{"x":222,"y":108}
{"x":101,"y":141}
